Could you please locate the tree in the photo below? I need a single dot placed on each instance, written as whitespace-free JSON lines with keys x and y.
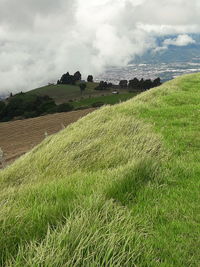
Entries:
{"x":67,"y":79}
{"x":82,"y":87}
{"x":15,"y":107}
{"x":123,"y":84}
{"x":147,"y":84}
{"x":134,"y":84}
{"x":77,"y":76}
{"x":157,"y":82}
{"x":90,"y":79}
{"x":103,"y":86}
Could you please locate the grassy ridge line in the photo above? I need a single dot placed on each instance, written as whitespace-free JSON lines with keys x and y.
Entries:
{"x":109,"y":190}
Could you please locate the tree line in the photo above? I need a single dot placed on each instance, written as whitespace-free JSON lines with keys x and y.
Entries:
{"x":29,"y":106}
{"x":67,"y":78}
{"x":133,"y":85}
{"x":140,"y":85}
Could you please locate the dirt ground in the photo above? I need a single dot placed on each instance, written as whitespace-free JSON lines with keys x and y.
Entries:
{"x":18,"y":137}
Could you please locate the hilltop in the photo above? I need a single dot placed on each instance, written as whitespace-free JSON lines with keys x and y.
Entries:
{"x":120,"y":187}
{"x":68,"y":88}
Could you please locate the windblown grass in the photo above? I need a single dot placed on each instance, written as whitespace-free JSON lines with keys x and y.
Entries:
{"x":118,"y":188}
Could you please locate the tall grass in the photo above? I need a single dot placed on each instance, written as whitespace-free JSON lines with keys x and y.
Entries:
{"x":118,"y":188}
{"x":2,"y":161}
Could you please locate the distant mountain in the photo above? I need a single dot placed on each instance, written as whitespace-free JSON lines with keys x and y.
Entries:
{"x":173,"y":53}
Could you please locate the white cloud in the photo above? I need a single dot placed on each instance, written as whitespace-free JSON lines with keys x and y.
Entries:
{"x":181,"y":40}
{"x":43,"y":39}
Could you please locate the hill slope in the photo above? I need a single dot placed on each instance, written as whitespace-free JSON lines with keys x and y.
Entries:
{"x":119,"y":187}
{"x":63,"y":93}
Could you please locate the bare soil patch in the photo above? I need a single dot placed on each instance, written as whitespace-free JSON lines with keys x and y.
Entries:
{"x":18,"y":137}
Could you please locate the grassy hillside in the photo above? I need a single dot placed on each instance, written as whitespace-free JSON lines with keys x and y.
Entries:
{"x":106,"y":100}
{"x":119,"y":187}
{"x":63,"y":93}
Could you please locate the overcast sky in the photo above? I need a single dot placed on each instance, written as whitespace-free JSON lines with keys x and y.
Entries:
{"x":41,"y":39}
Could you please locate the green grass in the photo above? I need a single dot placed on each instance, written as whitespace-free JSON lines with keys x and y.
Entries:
{"x":107,"y":100}
{"x":64,"y":93}
{"x":119,"y":187}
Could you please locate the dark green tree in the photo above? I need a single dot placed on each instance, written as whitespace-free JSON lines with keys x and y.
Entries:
{"x":123,"y":84}
{"x":134,"y":84}
{"x":157,"y":82}
{"x":90,"y":79}
{"x":77,"y":76}
{"x":67,"y":79}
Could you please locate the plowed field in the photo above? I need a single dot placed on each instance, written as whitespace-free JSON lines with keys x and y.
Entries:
{"x":18,"y":137}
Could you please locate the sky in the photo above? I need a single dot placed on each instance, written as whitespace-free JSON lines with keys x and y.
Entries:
{"x":42,"y":39}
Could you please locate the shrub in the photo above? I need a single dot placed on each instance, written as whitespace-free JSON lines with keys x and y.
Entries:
{"x":46,"y":107}
{"x":97,"y":104}
{"x":53,"y":110}
{"x":103,"y":86}
{"x":65,"y":107}
{"x":30,"y":114}
{"x":2,"y":108}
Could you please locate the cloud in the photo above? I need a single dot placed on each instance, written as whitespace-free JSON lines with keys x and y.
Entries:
{"x":43,"y":39}
{"x":181,"y":40}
